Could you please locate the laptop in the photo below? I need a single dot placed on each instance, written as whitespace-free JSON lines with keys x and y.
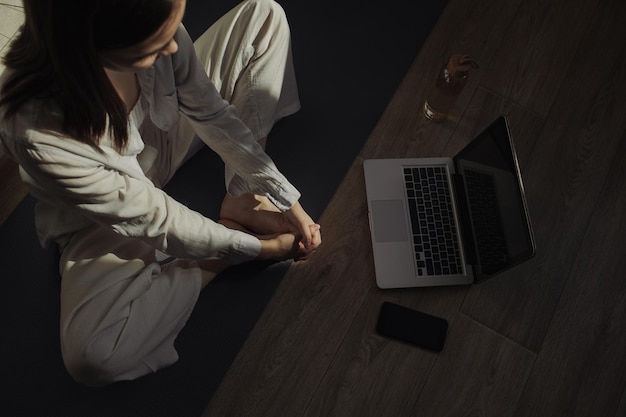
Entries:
{"x":449,"y":221}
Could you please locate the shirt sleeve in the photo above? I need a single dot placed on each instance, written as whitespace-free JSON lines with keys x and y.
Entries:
{"x":217,"y":124}
{"x":69,"y":179}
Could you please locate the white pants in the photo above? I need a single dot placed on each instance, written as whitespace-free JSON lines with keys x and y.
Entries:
{"x":120,"y":310}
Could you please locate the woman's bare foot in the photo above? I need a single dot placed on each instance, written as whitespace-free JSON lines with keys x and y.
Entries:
{"x":278,"y":246}
{"x":256,"y":213}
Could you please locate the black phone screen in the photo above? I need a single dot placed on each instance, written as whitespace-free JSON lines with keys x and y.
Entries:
{"x":412,"y":326}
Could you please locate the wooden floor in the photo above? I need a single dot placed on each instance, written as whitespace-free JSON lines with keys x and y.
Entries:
{"x":545,"y":339}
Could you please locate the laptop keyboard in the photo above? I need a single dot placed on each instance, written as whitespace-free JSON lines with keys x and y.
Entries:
{"x":432,"y":221}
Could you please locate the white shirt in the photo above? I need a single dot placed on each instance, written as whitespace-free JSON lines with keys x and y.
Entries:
{"x":78,"y":187}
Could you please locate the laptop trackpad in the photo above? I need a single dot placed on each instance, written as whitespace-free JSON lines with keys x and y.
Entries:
{"x":388,"y":220}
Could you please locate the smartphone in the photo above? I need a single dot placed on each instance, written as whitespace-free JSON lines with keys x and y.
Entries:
{"x":412,"y":326}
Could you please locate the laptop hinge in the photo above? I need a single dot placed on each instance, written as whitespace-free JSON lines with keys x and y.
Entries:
{"x":467,"y":234}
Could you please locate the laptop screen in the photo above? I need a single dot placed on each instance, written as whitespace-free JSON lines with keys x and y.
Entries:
{"x":496,"y":208}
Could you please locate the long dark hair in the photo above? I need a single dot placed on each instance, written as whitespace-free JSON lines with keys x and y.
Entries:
{"x":55,"y":55}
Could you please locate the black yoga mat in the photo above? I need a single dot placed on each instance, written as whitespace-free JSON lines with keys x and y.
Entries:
{"x":350,"y":56}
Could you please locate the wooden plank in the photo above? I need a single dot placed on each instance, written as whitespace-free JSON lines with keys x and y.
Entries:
{"x":563,"y":178}
{"x":479,"y":373}
{"x":537,"y":51}
{"x":581,"y":369}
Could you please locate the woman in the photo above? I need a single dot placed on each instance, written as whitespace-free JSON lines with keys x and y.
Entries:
{"x":101,"y":102}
